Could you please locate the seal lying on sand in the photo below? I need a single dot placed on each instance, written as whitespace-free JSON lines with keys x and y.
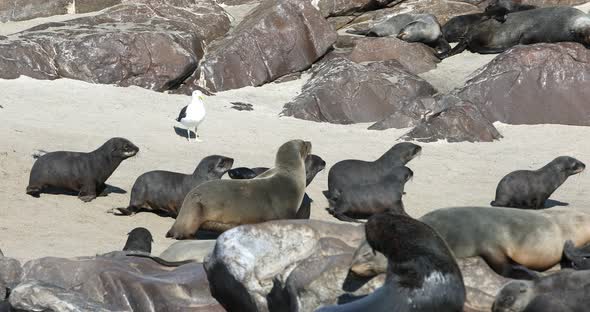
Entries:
{"x":552,"y":24}
{"x":363,"y":201}
{"x":409,"y":27}
{"x":313,"y":165}
{"x":222,"y":204}
{"x":422,"y":274}
{"x":352,"y":172}
{"x":531,"y":188}
{"x":512,"y":241}
{"x":563,"y":291}
{"x":84,"y":173}
{"x":163,"y":191}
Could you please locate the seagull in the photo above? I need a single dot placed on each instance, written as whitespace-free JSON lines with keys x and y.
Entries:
{"x":193,"y":114}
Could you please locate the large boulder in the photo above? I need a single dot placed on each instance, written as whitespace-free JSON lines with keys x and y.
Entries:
{"x":288,"y":265}
{"x":19,"y":10}
{"x":147,"y":43}
{"x":534,"y":84}
{"x":112,"y":283}
{"x":366,"y":93}
{"x":416,"y":57}
{"x":345,"y":7}
{"x":277,"y":38}
{"x":10,"y":275}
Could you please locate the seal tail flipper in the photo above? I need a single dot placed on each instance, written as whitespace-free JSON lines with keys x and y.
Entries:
{"x":494,"y":203}
{"x":33,"y":191}
{"x":128,"y":211}
{"x":363,"y":32}
{"x":460,"y":47}
{"x":341,"y":217}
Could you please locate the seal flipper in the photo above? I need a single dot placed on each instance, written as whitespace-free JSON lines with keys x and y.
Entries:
{"x":162,"y":261}
{"x":363,"y":32}
{"x":342,"y":217}
{"x":460,"y":47}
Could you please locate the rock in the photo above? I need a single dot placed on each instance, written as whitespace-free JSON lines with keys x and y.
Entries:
{"x":147,"y":43}
{"x":366,"y":93}
{"x":112,"y":283}
{"x":237,"y":2}
{"x":416,"y":57}
{"x":10,"y":275}
{"x":85,"y":6}
{"x":481,"y":283}
{"x":345,"y":7}
{"x":338,"y":22}
{"x":20,"y":10}
{"x":277,"y":38}
{"x":267,"y":266}
{"x":534,"y":84}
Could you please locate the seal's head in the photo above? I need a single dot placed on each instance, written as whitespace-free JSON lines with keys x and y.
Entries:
{"x":140,"y":239}
{"x":213,"y":166}
{"x":292,"y":153}
{"x":313,"y":165}
{"x":367,"y":263}
{"x":402,"y":152}
{"x":514,"y":297}
{"x":580,"y":30}
{"x":569,"y":165}
{"x":121,"y":148}
{"x":420,"y":32}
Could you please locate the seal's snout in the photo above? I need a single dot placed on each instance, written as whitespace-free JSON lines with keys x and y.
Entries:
{"x":402,"y":35}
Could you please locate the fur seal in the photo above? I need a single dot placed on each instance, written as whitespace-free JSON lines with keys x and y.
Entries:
{"x":422,"y":274}
{"x":222,"y":204}
{"x":84,"y":173}
{"x":409,"y":27}
{"x":140,"y":240}
{"x":575,"y":258}
{"x":352,"y":172}
{"x":551,"y":24}
{"x":512,"y":241}
{"x":564,"y":291}
{"x":529,"y":189}
{"x":163,"y":191}
{"x":363,"y":201}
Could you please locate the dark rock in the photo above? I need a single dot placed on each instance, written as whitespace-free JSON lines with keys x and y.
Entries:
{"x":26,"y":57}
{"x":288,"y":77}
{"x":277,"y":38}
{"x":20,"y":10}
{"x":242,"y":106}
{"x":416,"y":57}
{"x":345,"y":7}
{"x":85,"y":6}
{"x":10,"y":275}
{"x":534,"y":84}
{"x":366,"y":93}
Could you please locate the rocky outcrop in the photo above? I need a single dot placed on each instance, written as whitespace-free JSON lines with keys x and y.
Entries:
{"x":19,"y":10}
{"x":284,"y":265}
{"x":277,"y":38}
{"x":10,"y":275}
{"x":416,"y":57}
{"x":534,"y":84}
{"x":147,"y":43}
{"x":366,"y":93}
{"x":345,"y":7}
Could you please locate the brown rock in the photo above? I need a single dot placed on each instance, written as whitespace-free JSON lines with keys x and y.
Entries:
{"x":534,"y":84}
{"x":345,"y":7}
{"x":20,"y":10}
{"x":481,"y":283}
{"x":85,"y":6}
{"x":365,"y":92}
{"x":416,"y":57}
{"x":277,"y":38}
{"x":338,"y":22}
{"x":25,"y":57}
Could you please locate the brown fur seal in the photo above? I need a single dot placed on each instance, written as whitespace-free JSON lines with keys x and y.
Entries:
{"x":512,"y":241}
{"x":422,"y":274}
{"x":352,"y":172}
{"x":84,"y":173}
{"x":563,"y":291}
{"x":531,"y":188}
{"x":363,"y":201}
{"x":163,"y":191}
{"x":222,"y":204}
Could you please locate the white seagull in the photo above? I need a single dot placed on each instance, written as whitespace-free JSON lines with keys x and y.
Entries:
{"x":193,"y":114}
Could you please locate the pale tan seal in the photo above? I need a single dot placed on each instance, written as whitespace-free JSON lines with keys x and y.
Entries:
{"x":222,"y":204}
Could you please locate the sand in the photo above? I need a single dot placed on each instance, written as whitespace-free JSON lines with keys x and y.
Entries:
{"x":78,"y":116}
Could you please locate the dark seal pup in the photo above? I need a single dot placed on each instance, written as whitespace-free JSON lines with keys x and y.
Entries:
{"x":552,"y":24}
{"x":84,"y":173}
{"x":351,"y":172}
{"x":140,"y":240}
{"x":163,"y":191}
{"x":563,"y":291}
{"x":529,"y":189}
{"x":422,"y":274}
{"x":363,"y":201}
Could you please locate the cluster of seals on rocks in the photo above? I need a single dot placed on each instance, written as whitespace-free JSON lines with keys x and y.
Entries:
{"x":409,"y":27}
{"x":529,"y":189}
{"x":84,"y":173}
{"x":313,"y":165}
{"x":513,"y":242}
{"x":564,"y":291}
{"x":163,"y":192}
{"x":363,"y":201}
{"x":219,"y":205}
{"x":140,"y":240}
{"x":550,"y":24}
{"x":422,"y":274}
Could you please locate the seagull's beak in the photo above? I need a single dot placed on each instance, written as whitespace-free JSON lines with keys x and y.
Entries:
{"x":202,"y":98}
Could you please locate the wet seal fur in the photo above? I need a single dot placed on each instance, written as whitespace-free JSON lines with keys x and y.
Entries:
{"x":140,"y":240}
{"x":563,"y":291}
{"x":222,"y":204}
{"x":84,"y":173}
{"x":513,"y":242}
{"x":163,"y":192}
{"x":529,"y":189}
{"x":542,"y":25}
{"x":352,"y":172}
{"x":313,"y":165}
{"x":363,"y":201}
{"x":422,"y":274}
